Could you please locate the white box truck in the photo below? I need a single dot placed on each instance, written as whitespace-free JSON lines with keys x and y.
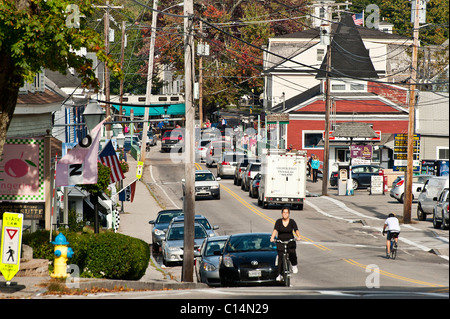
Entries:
{"x":283,"y":178}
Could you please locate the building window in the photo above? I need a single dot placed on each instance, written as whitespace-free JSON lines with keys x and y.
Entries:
{"x":442,"y":153}
{"x":342,"y":155}
{"x":320,"y":54}
{"x":337,"y":87}
{"x":312,"y":139}
{"x":357,"y":87}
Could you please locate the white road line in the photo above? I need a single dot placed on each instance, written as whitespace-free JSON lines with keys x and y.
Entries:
{"x":154,"y":181}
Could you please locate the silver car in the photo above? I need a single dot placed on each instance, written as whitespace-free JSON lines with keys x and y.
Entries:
{"x":161,"y":224}
{"x":205,"y":184}
{"x":440,"y":212}
{"x":227,"y":166}
{"x":172,"y":245}
{"x":248,"y":175}
{"x":208,"y":259}
{"x":200,"y":219}
{"x":398,"y":186}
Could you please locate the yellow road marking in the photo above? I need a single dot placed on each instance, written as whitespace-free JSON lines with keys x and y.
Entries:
{"x":385,"y":273}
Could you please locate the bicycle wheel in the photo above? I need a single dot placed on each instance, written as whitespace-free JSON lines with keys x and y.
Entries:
{"x":286,"y":272}
{"x":393,"y":249}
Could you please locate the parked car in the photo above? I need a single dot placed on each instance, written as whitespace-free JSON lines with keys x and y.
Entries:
{"x":172,"y":245}
{"x":131,"y":141}
{"x":254,"y":186}
{"x":248,"y":258}
{"x":215,"y":150}
{"x":427,"y":198}
{"x":208,"y":260}
{"x":398,"y":186}
{"x":227,"y":166}
{"x":240,"y":168}
{"x":361,"y":175}
{"x":200,"y":219}
{"x":205,"y":184}
{"x":248,"y":175}
{"x":160,"y":225}
{"x":440,"y":212}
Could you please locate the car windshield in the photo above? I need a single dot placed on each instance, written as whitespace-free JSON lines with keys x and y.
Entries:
{"x":177,"y":233}
{"x":167,"y":217}
{"x":204,"y":177}
{"x":250,"y":243}
{"x":212,"y":246}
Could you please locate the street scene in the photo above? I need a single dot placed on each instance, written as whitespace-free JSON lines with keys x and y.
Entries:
{"x":199,"y":152}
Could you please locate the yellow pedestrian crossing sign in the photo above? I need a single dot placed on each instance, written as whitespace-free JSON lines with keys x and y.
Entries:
{"x":11,"y":244}
{"x":139,"y":169}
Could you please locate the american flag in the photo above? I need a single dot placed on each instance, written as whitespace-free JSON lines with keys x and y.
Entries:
{"x":109,"y":158}
{"x":358,"y":18}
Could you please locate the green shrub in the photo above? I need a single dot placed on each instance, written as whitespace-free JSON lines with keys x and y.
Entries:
{"x":116,"y":256}
{"x":104,"y":255}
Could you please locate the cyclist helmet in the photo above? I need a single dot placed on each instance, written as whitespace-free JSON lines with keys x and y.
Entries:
{"x":391,"y":215}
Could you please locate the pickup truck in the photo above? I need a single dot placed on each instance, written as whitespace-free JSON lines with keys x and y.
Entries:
{"x":172,"y":139}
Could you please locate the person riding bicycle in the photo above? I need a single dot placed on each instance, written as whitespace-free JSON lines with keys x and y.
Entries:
{"x":284,"y":229}
{"x":393,"y":230}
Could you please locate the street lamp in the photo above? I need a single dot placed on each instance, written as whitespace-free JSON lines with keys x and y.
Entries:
{"x":93,"y":114}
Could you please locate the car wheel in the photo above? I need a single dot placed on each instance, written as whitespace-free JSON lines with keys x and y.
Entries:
{"x":420,"y":214}
{"x":402,"y":198}
{"x":355,"y":184}
{"x":436,"y":224}
{"x":218,"y":196}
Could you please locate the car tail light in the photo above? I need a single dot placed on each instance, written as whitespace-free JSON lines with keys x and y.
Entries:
{"x":248,"y":174}
{"x":400,"y":183}
{"x":240,"y":170}
{"x":257,"y":183}
{"x":225,"y":163}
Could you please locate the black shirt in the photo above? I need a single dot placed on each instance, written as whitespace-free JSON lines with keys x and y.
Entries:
{"x":285,"y":233}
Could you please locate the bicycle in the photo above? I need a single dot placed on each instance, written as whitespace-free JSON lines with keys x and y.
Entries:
{"x":393,"y":246}
{"x":286,"y":263}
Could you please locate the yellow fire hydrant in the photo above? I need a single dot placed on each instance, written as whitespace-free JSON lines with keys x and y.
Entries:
{"x":62,"y":253}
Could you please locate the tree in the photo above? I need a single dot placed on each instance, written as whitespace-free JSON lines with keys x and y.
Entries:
{"x":234,"y":67}
{"x":37,"y":34}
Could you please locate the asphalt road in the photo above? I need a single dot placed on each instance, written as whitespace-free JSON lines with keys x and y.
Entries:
{"x":342,"y":249}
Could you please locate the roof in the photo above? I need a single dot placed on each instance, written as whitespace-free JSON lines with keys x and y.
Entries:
{"x":349,"y":56}
{"x":354,"y":130}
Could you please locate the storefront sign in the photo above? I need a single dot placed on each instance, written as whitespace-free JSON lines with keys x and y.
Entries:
{"x":28,"y":210}
{"x":22,"y":170}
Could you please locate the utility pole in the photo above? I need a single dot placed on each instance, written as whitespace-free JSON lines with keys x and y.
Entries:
{"x":122,"y":56}
{"x":189,"y":168}
{"x":326,"y":151}
{"x":200,"y":82}
{"x":407,"y":203}
{"x":106,"y":75}
{"x":148,"y":93}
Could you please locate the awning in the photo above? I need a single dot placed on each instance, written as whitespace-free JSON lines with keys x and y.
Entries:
{"x":154,"y":110}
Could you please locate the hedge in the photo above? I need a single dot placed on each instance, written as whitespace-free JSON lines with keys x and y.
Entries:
{"x":104,"y":255}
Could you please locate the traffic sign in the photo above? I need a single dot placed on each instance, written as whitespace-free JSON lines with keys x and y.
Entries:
{"x":139,"y":169}
{"x":11,"y":244}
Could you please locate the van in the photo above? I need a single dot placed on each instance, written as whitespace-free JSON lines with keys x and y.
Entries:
{"x":427,"y":198}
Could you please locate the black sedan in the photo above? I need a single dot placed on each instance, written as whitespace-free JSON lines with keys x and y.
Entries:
{"x":248,"y":259}
{"x":254,"y":186}
{"x":361,"y":175}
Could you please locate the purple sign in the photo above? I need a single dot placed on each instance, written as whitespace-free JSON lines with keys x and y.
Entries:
{"x":361,"y":151}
